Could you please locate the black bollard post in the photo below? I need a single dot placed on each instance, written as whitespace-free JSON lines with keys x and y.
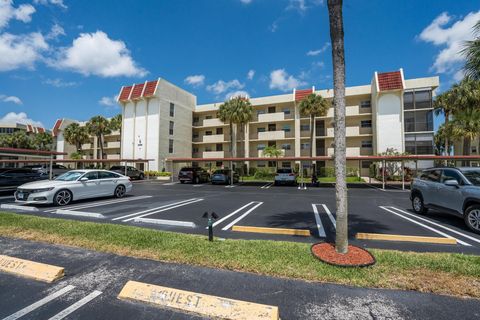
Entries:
{"x":211,"y":218}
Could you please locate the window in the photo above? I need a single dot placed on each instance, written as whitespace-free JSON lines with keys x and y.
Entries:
{"x":366,"y":123}
{"x":172,"y":110}
{"x":286,"y":111}
{"x":286,"y":146}
{"x":304,"y":127}
{"x":219,"y":131}
{"x":431,"y":175}
{"x":286,"y":164}
{"x":416,"y":121}
{"x":91,"y":175}
{"x":208,"y":117}
{"x":365,"y":104}
{"x":261,"y":164}
{"x":305,"y":146}
{"x":259,"y":112}
{"x":170,"y":128}
{"x":260,"y":130}
{"x":367,"y":144}
{"x":408,"y":101}
{"x":208,"y":149}
{"x":195,"y":120}
{"x":272,"y":109}
{"x":286,"y":128}
{"x":449,"y":174}
{"x":272,"y":164}
{"x":419,"y":143}
{"x":474,"y":149}
{"x":272,"y":127}
{"x":423,"y":99}
{"x":208,"y":133}
{"x":195,"y":135}
{"x":219,"y":147}
{"x":195,"y":150}
{"x":170,"y":146}
{"x":366,"y":164}
{"x":107,"y":175}
{"x":260,"y":146}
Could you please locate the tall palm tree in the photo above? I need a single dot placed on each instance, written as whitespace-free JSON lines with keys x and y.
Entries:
{"x":20,"y":139}
{"x":43,"y":141}
{"x":243,"y":115}
{"x":76,"y":135}
{"x":274,"y":152}
{"x":99,"y":126}
{"x":314,"y":106}
{"x":338,"y":58}
{"x":466,"y":126}
{"x":116,"y":123}
{"x":472,"y":54}
{"x":445,"y":104}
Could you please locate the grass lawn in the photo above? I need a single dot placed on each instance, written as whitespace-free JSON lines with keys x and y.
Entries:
{"x":444,"y":273}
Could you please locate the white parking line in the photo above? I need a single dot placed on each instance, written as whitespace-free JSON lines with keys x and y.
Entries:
{"x":389,"y":209}
{"x":175,"y":223}
{"x":242,"y":216}
{"x":321,"y":230}
{"x":151,"y":209}
{"x":39,"y":303}
{"x":165,"y":209}
{"x":231,"y":214}
{"x":267,"y":186}
{"x":330,"y":215}
{"x":171,"y":183}
{"x":198,"y":185}
{"x":438,"y":225}
{"x":100,"y":203}
{"x":62,"y":314}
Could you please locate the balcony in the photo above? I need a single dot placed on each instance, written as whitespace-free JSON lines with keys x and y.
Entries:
{"x":87,"y":146}
{"x":112,"y":145}
{"x":351,"y":131}
{"x":354,"y":151}
{"x":215,"y":138}
{"x":113,"y":156}
{"x":271,"y":117}
{"x":212,"y":122}
{"x":272,"y":135}
{"x":213,"y":154}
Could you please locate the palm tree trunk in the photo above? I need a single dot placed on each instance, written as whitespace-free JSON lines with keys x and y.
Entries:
{"x":338,"y":58}
{"x":231,"y":139}
{"x":100,"y":143}
{"x":447,"y":153}
{"x":466,"y":150}
{"x":312,"y":123}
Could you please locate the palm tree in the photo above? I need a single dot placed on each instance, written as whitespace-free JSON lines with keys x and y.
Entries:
{"x":274,"y":152}
{"x":43,"y":141}
{"x":99,"y":126}
{"x":466,"y":126}
{"x":226,"y":115}
{"x":338,"y":58}
{"x":20,"y":139}
{"x":116,"y":123}
{"x":472,"y":54}
{"x":314,"y":106}
{"x":76,"y":135}
{"x":445,"y":104}
{"x":5,"y":140}
{"x":243,"y":115}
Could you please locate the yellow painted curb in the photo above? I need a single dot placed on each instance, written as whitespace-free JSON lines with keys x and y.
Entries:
{"x":202,"y":304}
{"x":30,"y":269}
{"x":292,"y":232}
{"x":394,"y":237}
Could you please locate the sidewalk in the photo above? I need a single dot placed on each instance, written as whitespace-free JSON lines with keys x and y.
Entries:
{"x":92,"y":271}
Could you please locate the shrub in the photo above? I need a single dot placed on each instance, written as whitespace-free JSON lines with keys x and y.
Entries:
{"x":330,"y":172}
{"x":264,"y":174}
{"x":158,"y":173}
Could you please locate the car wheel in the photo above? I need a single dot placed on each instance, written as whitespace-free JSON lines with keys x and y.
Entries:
{"x":472,"y":218}
{"x":120,"y":191}
{"x":62,"y":198}
{"x":141,"y":176}
{"x":417,"y":204}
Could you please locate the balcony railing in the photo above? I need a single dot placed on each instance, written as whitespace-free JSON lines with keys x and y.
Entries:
{"x":213,"y":154}
{"x":215,"y":138}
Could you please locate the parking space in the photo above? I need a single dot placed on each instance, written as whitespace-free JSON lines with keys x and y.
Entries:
{"x":261,"y":210}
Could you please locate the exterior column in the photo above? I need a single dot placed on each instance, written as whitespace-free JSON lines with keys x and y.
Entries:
{"x":297,"y":129}
{"x":247,"y":146}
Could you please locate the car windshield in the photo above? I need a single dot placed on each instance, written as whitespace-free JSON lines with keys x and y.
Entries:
{"x":70,"y":176}
{"x":473,"y":176}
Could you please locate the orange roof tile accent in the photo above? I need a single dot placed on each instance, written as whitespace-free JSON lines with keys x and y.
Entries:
{"x":302,"y":94}
{"x":40,"y":130}
{"x":125,"y":94}
{"x":390,"y":81}
{"x":29,"y":128}
{"x":150,"y":88}
{"x":137,"y":91}
{"x":56,"y":127}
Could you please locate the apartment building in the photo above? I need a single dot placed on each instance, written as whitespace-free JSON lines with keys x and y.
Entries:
{"x":12,"y":127}
{"x":390,"y":112}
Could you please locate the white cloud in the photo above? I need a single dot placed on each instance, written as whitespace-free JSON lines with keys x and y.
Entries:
{"x":246,"y":1}
{"x":221,"y":86}
{"x":54,"y":2}
{"x":239,"y":93}
{"x":55,"y":32}
{"x":97,"y":54}
{"x":250,"y":74}
{"x":59,"y":83}
{"x":108,"y":101}
{"x":451,"y":39}
{"x":8,"y":11}
{"x":281,"y":80}
{"x":20,"y":117}
{"x":11,"y":99}
{"x":321,"y":50}
{"x":303,"y":5}
{"x":20,"y":50}
{"x":195,"y":80}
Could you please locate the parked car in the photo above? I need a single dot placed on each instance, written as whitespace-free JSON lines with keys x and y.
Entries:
{"x":451,"y":190}
{"x":57,"y":169}
{"x":193,"y":174}
{"x":74,"y":185}
{"x":132,"y":172}
{"x":12,"y":178}
{"x":224,"y":176}
{"x":285,"y":176}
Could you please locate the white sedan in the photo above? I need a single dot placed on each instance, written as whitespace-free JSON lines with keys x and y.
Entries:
{"x":74,"y":185}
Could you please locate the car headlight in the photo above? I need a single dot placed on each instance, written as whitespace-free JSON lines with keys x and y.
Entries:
{"x":41,"y":190}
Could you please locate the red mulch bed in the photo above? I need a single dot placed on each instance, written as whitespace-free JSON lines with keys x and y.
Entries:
{"x":356,"y":257}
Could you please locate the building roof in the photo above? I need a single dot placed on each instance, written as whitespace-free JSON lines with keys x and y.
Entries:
{"x":390,"y":81}
{"x":302,"y":94}
{"x":138,"y":91}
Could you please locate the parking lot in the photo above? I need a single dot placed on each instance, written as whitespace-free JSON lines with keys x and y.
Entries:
{"x":264,"y":211}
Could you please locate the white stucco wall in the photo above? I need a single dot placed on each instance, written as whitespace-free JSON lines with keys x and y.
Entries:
{"x":389,"y":129}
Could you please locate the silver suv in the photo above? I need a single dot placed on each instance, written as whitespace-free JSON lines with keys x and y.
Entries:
{"x":452,"y":190}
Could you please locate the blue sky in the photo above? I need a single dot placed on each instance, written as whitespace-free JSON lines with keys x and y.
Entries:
{"x":65,"y":58}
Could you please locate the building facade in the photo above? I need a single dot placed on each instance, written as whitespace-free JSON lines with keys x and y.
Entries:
{"x":389,"y":113}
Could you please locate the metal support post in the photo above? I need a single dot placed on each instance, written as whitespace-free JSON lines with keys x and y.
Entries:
{"x":383,"y":174}
{"x":50,"y":175}
{"x":403,"y":176}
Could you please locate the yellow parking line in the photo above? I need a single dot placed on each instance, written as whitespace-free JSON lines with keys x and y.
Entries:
{"x":292,"y":232}
{"x":394,"y":237}
{"x":192,"y":302}
{"x":30,"y":269}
